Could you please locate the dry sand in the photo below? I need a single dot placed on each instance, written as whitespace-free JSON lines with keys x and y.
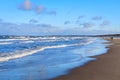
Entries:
{"x":107,"y":67}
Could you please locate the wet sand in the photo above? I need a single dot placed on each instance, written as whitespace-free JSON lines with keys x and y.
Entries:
{"x":107,"y":67}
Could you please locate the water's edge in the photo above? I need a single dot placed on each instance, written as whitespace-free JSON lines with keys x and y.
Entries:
{"x":93,"y":58}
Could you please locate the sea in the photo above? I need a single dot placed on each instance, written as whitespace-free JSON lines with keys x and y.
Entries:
{"x":46,"y":57}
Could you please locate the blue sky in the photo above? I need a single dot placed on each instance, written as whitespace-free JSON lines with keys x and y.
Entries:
{"x":49,"y":17}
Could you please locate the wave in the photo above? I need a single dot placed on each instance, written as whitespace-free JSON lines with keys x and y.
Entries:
{"x":1,"y":40}
{"x":39,"y":39}
{"x":24,"y":42}
{"x":57,"y":39}
{"x":5,"y":43}
{"x":24,"y":53}
{"x":27,"y":42}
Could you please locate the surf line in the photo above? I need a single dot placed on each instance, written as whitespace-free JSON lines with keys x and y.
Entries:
{"x":27,"y":53}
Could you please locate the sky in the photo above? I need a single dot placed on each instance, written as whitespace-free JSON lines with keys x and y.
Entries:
{"x":59,"y":17}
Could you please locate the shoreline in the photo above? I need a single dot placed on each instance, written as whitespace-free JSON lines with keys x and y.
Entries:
{"x":106,"y":67}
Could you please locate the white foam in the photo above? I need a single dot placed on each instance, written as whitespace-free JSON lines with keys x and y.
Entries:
{"x":27,"y":42}
{"x":23,"y":54}
{"x":30,"y":52}
{"x":7,"y":39}
{"x":54,"y":39}
{"x":1,"y":40}
{"x":5,"y":43}
{"x":27,"y":53}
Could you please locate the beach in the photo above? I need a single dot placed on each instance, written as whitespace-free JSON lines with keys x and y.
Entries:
{"x":107,"y":67}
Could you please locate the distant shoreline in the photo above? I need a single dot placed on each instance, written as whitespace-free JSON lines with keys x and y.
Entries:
{"x":30,"y":36}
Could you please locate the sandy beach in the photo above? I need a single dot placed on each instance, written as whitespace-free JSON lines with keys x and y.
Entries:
{"x":107,"y":67}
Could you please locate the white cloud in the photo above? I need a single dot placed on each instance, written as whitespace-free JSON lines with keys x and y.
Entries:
{"x":88,"y":25}
{"x":81,"y":17}
{"x":27,"y":28}
{"x":40,"y":9}
{"x":33,"y":21}
{"x":105,"y":23}
{"x":66,"y":22}
{"x":26,"y":5}
{"x":96,"y":18}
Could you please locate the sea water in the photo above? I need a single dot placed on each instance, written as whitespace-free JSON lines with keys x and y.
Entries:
{"x":44,"y":58}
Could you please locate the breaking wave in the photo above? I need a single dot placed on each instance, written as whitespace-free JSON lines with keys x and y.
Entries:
{"x":24,"y":53}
